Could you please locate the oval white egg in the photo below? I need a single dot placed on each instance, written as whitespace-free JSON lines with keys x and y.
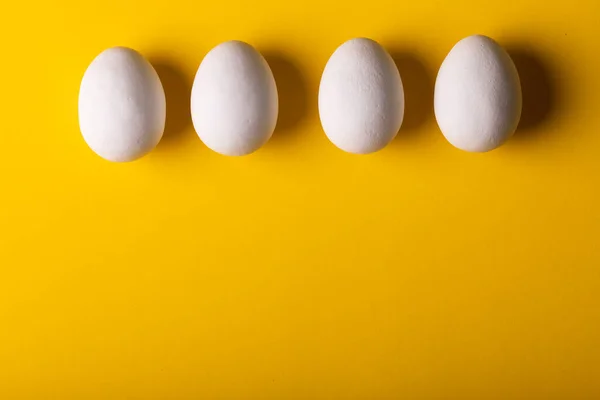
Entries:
{"x":122,"y":107}
{"x":234,"y":99}
{"x":477,"y":95}
{"x":361,"y":98}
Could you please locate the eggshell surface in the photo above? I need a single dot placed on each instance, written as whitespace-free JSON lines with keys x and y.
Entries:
{"x":361,"y":97}
{"x":122,"y":107}
{"x":234,"y":99}
{"x":477,"y":95}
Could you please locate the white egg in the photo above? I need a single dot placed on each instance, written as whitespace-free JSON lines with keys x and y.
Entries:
{"x":477,"y":95}
{"x":122,"y":106}
{"x":234,"y":99}
{"x":361,"y":98}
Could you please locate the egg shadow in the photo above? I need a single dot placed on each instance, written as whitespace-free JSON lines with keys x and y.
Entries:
{"x":292,"y":91}
{"x":539,"y":90}
{"x":418,"y":93}
{"x":178,"y":88}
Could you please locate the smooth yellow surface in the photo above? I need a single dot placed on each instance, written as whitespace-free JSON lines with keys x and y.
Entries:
{"x":300,"y":272}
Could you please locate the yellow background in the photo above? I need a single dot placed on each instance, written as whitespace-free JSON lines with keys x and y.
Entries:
{"x":300,"y":272}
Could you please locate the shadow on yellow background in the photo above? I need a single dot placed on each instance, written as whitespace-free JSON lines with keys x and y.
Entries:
{"x":178,"y":89}
{"x":539,"y":87}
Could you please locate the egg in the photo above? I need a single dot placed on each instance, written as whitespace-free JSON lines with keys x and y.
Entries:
{"x":361,"y":97}
{"x":122,"y":106}
{"x":234,"y":99}
{"x":477,"y":97}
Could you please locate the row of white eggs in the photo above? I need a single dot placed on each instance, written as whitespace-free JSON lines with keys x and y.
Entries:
{"x":234,"y":101}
